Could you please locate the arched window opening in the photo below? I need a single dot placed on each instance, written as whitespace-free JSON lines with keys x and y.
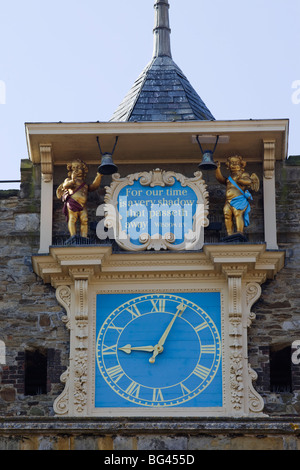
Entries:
{"x":35,"y":372}
{"x":280,"y":368}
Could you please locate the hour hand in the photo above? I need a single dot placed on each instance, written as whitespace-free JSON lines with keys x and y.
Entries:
{"x":128,"y":348}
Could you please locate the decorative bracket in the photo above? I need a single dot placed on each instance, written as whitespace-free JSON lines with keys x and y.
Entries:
{"x":46,"y":162}
{"x":241,"y":297}
{"x":269,"y":158}
{"x":61,"y":404}
{"x":75,"y":377}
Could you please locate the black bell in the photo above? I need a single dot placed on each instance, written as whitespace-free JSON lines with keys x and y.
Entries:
{"x":107,"y":166}
{"x":208,"y":161}
{"x":207,"y":157}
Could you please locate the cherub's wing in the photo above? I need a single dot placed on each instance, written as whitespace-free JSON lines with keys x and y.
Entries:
{"x":255,"y":182}
{"x":59,"y":191}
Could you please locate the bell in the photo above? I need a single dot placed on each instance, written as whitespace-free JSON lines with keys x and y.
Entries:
{"x":107,"y":166}
{"x":208,"y":161}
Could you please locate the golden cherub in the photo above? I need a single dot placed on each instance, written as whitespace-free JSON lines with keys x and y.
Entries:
{"x":74,"y":192}
{"x":237,"y":205}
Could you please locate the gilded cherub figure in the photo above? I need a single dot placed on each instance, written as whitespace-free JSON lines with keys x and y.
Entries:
{"x":74,"y":193}
{"x":237,"y":205}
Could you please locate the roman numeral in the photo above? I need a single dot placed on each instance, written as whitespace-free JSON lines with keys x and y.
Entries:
{"x":134,"y":311}
{"x":133,"y":389}
{"x":201,"y":371}
{"x":208,"y":349}
{"x":184,"y":389}
{"x":157,"y":395}
{"x":115,"y":373}
{"x":109,"y":349}
{"x":158,"y":305}
{"x":201,"y":326}
{"x":117,"y":328}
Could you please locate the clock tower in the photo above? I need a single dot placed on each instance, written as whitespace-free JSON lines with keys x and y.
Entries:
{"x":158,"y":296}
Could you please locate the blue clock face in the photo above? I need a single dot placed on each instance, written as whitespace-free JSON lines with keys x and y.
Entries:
{"x":158,"y":350}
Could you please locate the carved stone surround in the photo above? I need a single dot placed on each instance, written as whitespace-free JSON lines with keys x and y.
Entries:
{"x":237,"y":271}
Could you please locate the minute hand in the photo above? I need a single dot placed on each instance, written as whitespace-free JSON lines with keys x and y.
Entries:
{"x":159,"y":346}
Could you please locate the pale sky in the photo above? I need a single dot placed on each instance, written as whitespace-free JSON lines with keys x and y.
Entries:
{"x":74,"y":61}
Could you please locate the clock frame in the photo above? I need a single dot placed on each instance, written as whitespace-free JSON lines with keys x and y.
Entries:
{"x":81,"y":273}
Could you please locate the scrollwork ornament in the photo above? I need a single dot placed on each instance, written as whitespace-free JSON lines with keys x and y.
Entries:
{"x":256,"y":402}
{"x":253,"y":293}
{"x":144,"y":238}
{"x":61,"y":403}
{"x":63,"y":296}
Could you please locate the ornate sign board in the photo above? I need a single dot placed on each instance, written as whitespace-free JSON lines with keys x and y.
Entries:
{"x":158,"y":335}
{"x":156,"y":210}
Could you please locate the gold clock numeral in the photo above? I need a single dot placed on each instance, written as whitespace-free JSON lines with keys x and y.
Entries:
{"x":158,"y":305}
{"x":134,"y":311}
{"x":133,"y":389}
{"x":208,"y":348}
{"x":119,"y":329}
{"x":157,"y":395}
{"x":201,"y":326}
{"x":115,"y":373}
{"x":201,"y":371}
{"x":184,"y":389}
{"x":109,"y":349}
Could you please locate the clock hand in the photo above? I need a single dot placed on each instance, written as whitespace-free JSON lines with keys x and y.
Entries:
{"x":158,"y":348}
{"x":162,"y":340}
{"x":128,"y":348}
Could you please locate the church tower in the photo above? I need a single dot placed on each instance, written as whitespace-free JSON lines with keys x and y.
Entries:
{"x":135,"y":290}
{"x":160,"y":299}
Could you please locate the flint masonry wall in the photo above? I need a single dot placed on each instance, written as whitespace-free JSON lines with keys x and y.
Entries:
{"x":277,"y":323}
{"x":30,"y":319}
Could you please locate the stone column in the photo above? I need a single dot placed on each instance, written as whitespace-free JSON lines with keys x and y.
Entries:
{"x":236,"y":350}
{"x":46,"y":198}
{"x":270,"y":195}
{"x":79,"y":342}
{"x":244,"y":400}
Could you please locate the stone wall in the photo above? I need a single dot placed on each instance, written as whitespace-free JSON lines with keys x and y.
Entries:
{"x":277,"y":322}
{"x":169,"y":435}
{"x":31,"y":317}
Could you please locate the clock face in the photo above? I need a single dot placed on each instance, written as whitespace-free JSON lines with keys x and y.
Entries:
{"x":158,"y":350}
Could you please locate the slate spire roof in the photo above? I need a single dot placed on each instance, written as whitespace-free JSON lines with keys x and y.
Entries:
{"x":162,"y":92}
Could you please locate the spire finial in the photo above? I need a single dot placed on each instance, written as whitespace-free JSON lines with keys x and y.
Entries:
{"x":162,"y":42}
